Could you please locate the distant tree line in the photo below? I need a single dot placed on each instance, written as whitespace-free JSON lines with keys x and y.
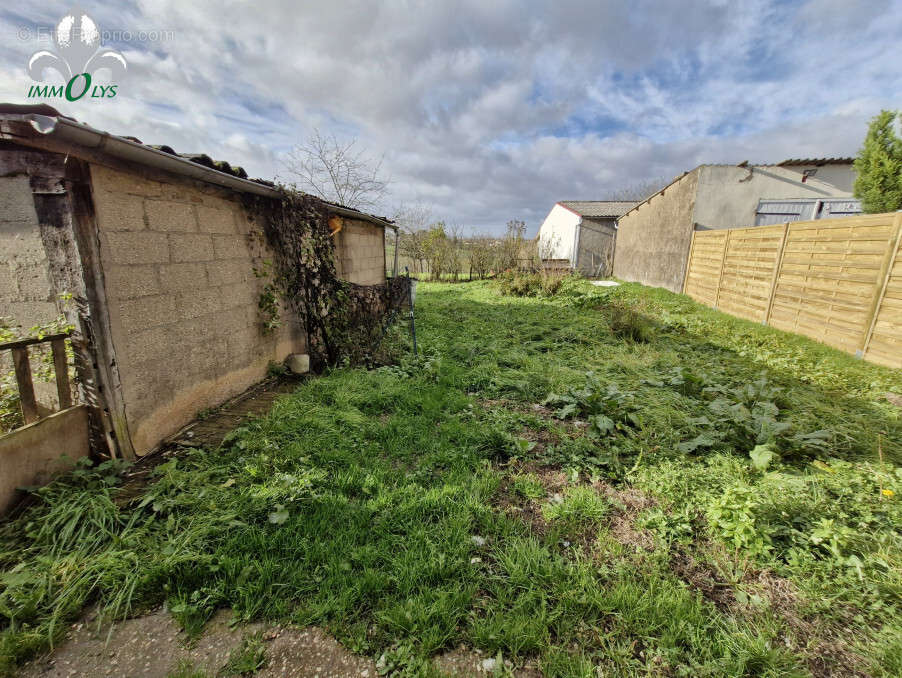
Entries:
{"x":442,"y":251}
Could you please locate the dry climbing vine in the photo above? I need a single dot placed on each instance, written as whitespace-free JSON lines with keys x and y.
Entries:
{"x":341,"y":320}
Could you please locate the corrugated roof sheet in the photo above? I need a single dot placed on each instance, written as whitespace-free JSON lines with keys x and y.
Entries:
{"x":816,"y":161}
{"x":598,"y":208}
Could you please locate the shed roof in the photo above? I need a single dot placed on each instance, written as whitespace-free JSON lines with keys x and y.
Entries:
{"x":42,"y":126}
{"x":598,"y":208}
{"x":816,"y":161}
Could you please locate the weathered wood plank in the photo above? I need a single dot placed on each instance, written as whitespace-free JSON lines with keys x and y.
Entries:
{"x":61,"y":370}
{"x":24,"y":384}
{"x":22,"y":343}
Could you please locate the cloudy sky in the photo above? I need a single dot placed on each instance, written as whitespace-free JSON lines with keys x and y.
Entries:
{"x":490,"y":110}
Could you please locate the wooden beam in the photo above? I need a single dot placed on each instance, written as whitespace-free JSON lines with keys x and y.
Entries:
{"x":25,"y":385}
{"x":776,"y":277}
{"x":61,"y":370}
{"x":22,"y":343}
{"x":723,"y":260}
{"x":689,"y":260}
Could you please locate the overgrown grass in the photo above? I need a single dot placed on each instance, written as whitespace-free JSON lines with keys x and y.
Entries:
{"x":375,"y":503}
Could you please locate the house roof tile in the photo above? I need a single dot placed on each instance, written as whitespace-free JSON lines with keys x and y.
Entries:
{"x":598,"y":208}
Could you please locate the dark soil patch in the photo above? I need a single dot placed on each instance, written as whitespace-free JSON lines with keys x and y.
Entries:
{"x":823,"y":646}
{"x":703,"y":579}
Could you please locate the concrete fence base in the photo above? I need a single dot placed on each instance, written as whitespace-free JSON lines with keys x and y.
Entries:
{"x":32,"y":454}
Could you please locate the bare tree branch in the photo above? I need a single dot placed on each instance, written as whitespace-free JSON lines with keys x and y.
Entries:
{"x":639,"y":190}
{"x":337,"y":171}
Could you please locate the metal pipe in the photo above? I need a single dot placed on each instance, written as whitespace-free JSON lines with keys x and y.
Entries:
{"x":119,"y":147}
{"x":394,"y":270}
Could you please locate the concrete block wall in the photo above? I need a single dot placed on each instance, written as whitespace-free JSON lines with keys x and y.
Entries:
{"x":178,"y":261}
{"x":360,"y":252}
{"x":727,"y":197}
{"x":26,"y":292}
{"x":653,"y":239}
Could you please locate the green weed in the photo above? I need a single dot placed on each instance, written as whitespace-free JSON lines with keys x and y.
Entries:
{"x":528,"y":486}
{"x":354,"y":503}
{"x":247,"y":658}
{"x":578,"y":506}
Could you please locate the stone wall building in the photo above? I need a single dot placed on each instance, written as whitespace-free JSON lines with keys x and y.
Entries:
{"x":653,"y":237}
{"x":163,"y":257}
{"x":581,"y":235}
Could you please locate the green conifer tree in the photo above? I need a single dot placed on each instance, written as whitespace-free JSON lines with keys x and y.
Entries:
{"x":879,"y":166}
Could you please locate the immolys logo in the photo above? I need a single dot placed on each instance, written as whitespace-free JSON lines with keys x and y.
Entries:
{"x":78,"y":55}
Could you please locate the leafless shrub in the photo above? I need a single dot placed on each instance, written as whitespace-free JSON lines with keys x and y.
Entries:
{"x":337,"y":171}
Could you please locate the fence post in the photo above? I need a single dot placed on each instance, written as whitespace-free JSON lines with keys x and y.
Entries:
{"x":777,"y":266}
{"x":689,"y":263}
{"x":61,"y":371}
{"x":723,"y":259}
{"x":892,"y":251}
{"x":25,"y":385}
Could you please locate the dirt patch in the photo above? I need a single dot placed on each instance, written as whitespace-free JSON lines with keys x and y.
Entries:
{"x":826,"y":651}
{"x":895,"y":399}
{"x":625,"y":532}
{"x":463,"y":662}
{"x":823,"y":645}
{"x":542,"y":438}
{"x":300,"y":653}
{"x":152,"y":646}
{"x":628,"y":502}
{"x":704,"y":580}
{"x":530,"y":512}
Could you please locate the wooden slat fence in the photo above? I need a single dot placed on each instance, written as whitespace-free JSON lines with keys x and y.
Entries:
{"x":24,"y":383}
{"x":838,"y":281}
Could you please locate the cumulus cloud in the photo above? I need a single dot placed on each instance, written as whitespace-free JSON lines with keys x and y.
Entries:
{"x":494,"y":111}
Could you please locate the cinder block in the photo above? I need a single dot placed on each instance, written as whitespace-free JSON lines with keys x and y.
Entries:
{"x":244,"y":342}
{"x":245,"y":221}
{"x":116,"y":181}
{"x":16,"y":201}
{"x":119,"y":211}
{"x":207,"y":359}
{"x":128,"y":282}
{"x":9,"y":290}
{"x":209,"y":324}
{"x":183,"y":277}
{"x":135,"y":247}
{"x":216,"y":220}
{"x":239,"y":294}
{"x":180,"y":193}
{"x":230,"y":246}
{"x":213,"y":199}
{"x":230,"y":271}
{"x":191,"y":247}
{"x":153,"y":343}
{"x":196,"y":303}
{"x":146,"y":384}
{"x":146,"y":312}
{"x":21,"y":242}
{"x":30,"y":313}
{"x":169,"y":217}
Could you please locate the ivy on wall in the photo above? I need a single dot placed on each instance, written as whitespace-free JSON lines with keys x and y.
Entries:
{"x":342,"y":321}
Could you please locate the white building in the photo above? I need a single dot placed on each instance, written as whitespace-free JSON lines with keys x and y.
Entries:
{"x":580,"y":235}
